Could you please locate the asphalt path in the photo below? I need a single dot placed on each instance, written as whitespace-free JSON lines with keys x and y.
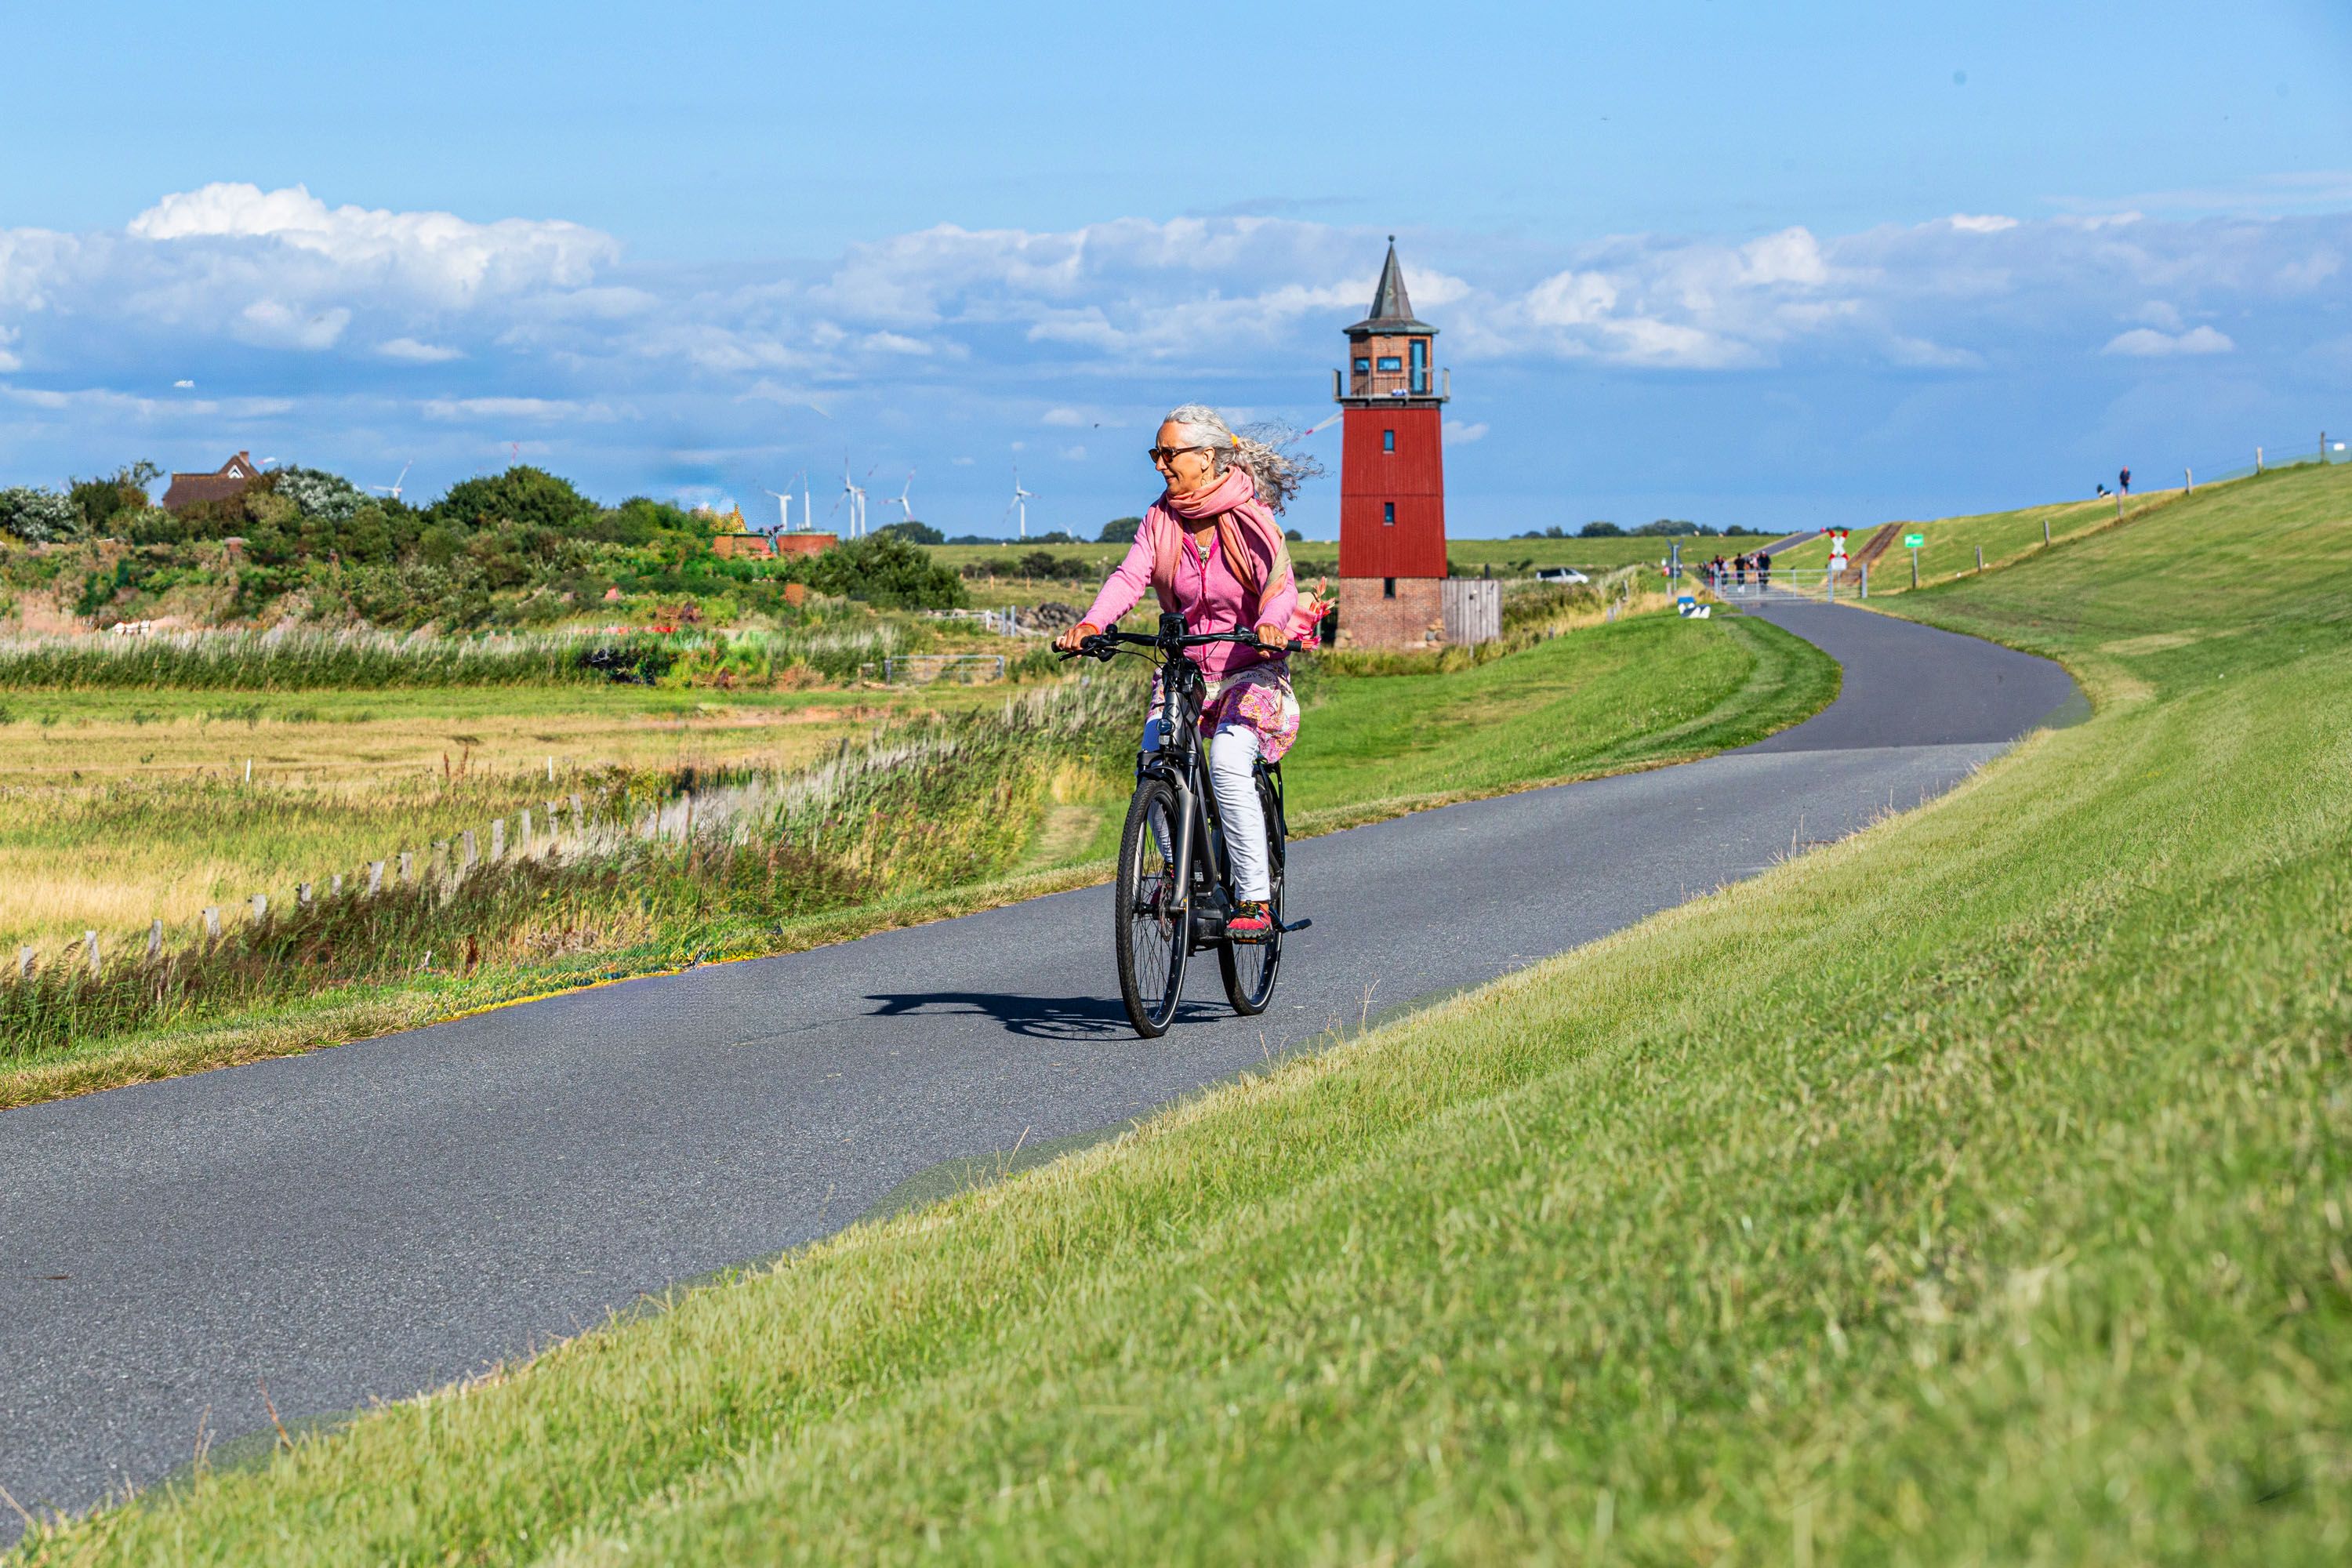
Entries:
{"x":367,"y":1222}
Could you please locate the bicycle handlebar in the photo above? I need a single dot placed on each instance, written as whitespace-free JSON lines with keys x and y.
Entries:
{"x":1104,"y":645}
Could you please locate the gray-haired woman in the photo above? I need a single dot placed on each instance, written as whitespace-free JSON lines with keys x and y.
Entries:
{"x":1211,"y":550}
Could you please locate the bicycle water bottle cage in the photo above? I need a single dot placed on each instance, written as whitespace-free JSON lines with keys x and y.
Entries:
{"x":1172,"y":625}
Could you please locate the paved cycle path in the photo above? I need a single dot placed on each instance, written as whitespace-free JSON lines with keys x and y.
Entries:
{"x":366,"y":1222}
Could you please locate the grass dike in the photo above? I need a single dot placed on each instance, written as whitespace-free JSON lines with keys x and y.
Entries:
{"x":1973,"y":1188}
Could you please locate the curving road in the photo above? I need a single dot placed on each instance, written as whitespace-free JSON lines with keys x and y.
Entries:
{"x":365,"y":1223}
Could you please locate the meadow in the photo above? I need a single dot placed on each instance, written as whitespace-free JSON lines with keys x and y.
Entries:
{"x":2017,"y":1235}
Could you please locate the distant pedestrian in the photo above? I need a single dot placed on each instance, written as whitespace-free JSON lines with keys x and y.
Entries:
{"x":1739,"y":570}
{"x":1763,"y":570}
{"x":2123,"y":482}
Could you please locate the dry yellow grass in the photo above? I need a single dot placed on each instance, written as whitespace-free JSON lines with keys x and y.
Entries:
{"x":120,"y":807}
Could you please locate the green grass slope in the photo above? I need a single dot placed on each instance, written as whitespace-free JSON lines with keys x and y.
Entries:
{"x":1952,"y":542}
{"x":1998,"y":1212}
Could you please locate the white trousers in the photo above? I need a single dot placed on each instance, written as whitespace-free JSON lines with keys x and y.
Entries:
{"x":1232,"y":755}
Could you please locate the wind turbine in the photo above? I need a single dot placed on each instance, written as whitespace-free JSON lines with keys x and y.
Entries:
{"x":783,"y":509}
{"x":849,"y":494}
{"x":1020,"y":502}
{"x":905,"y":508}
{"x":392,"y":490}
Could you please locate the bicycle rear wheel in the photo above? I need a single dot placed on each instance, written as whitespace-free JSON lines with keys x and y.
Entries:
{"x":1151,"y":930}
{"x":1250,"y":968}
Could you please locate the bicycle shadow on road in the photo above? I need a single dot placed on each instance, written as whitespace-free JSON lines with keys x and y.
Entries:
{"x":1038,"y":1017}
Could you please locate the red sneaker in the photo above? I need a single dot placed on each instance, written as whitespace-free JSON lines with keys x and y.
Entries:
{"x":1252,"y":922}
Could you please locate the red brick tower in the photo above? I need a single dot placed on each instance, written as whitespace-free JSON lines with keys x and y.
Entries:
{"x":1392,"y":475}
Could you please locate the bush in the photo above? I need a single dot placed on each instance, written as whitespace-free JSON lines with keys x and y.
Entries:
{"x":533,"y":496}
{"x":1119,"y":530}
{"x":320,"y":496}
{"x":883,"y":569}
{"x":913,"y":532}
{"x":38,"y":516}
{"x":1601,"y":531}
{"x":1670,"y":528}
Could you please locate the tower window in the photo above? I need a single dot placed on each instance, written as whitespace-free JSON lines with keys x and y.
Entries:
{"x":1388,"y":440}
{"x":1388,"y":511}
{"x":1388,"y":587}
{"x":1392,"y":362}
{"x":1363,"y":367}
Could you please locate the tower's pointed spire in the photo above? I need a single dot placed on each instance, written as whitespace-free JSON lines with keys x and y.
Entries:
{"x":1392,"y":310}
{"x":1389,"y":301}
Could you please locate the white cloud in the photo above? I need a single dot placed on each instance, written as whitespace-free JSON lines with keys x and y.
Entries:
{"x":409,"y":351}
{"x":1991,"y":223}
{"x":1461,"y":434}
{"x":1071,"y":453}
{"x":438,"y":253}
{"x":1068,"y":417}
{"x":273,"y":324}
{"x":536,"y":408}
{"x":2146,"y":342}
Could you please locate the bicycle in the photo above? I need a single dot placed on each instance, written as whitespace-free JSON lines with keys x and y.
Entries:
{"x":1174,"y":891}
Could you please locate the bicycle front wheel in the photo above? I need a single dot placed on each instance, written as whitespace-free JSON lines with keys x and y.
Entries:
{"x":1150,"y":926}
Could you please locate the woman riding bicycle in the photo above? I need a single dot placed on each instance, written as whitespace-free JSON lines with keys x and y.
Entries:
{"x":1211,"y":550}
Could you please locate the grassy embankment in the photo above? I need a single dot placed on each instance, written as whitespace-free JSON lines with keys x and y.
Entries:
{"x":999,"y":818}
{"x":2017,"y":1233}
{"x":1951,"y":543}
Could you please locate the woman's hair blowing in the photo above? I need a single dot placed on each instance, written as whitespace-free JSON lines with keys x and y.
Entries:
{"x":1258,"y":448}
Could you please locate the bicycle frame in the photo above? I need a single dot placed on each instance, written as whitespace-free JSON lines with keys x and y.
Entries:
{"x":1180,"y":763}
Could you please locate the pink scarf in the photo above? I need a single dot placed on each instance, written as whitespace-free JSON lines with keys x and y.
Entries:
{"x":1246,"y":531}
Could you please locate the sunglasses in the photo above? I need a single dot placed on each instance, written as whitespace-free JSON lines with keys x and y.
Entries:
{"x":1170,"y":454}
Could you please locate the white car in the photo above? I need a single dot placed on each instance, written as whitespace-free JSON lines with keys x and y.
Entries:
{"x":1561,"y":575}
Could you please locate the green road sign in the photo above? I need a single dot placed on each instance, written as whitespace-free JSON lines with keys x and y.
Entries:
{"x":1913,"y":541}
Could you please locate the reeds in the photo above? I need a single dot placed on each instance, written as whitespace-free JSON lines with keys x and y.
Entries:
{"x":309,"y":660}
{"x":683,"y":862}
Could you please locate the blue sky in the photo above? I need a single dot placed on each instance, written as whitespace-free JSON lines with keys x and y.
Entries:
{"x":1780,"y":266}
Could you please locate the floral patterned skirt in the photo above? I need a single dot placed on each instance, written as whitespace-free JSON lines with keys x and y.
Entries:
{"x":1257,"y":698}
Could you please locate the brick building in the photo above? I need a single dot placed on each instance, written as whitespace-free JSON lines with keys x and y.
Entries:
{"x":1392,"y":476}
{"x":225,"y":484}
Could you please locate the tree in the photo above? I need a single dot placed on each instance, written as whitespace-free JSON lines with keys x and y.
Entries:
{"x":533,"y":496}
{"x":37,"y":516}
{"x":913,"y":532}
{"x":1119,"y":530}
{"x":1601,"y":531}
{"x":320,"y":496}
{"x":1667,"y":528}
{"x":1293,"y":536}
{"x":1555,"y":531}
{"x":99,"y":502}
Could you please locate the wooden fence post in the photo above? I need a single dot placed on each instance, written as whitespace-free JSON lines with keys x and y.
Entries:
{"x":89,"y":946}
{"x":25,"y":964}
{"x":154,"y":941}
{"x":579,"y":816}
{"x":260,"y":908}
{"x":407,"y":866}
{"x":376,"y":876}
{"x":472,"y":855}
{"x":523,"y":832}
{"x":303,"y":894}
{"x":498,"y":840}
{"x":212,"y":923}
